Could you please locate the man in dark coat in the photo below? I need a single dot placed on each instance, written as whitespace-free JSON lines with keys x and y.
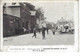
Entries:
{"x":47,"y":30}
{"x":53,"y":31}
{"x":43,"y":32}
{"x":34,"y":31}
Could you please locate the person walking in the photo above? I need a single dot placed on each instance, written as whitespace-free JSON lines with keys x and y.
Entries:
{"x":53,"y":31}
{"x":34,"y":31}
{"x":47,"y":30}
{"x":43,"y":32}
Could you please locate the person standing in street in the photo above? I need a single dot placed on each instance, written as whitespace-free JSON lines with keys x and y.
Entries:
{"x":24,"y":29}
{"x":53,"y":31}
{"x":43,"y":32}
{"x":34,"y":31}
{"x":47,"y":31}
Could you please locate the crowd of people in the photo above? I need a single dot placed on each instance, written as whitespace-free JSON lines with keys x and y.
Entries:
{"x":43,"y":29}
{"x":66,"y":28}
{"x":62,"y":28}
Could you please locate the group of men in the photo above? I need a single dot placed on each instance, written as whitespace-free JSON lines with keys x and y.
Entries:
{"x":43,"y":32}
{"x":43,"y":29}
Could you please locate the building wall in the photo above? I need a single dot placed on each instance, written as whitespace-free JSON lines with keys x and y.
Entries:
{"x":15,"y":18}
{"x":13,"y":10}
{"x":9,"y":25}
{"x":28,"y":21}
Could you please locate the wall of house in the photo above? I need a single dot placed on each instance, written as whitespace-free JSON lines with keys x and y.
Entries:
{"x":9,"y":25}
{"x":13,"y":10}
{"x":15,"y":18}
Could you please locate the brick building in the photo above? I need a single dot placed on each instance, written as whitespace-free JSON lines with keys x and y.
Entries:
{"x":16,"y":16}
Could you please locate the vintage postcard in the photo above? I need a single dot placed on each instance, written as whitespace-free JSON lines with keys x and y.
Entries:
{"x":39,"y":26}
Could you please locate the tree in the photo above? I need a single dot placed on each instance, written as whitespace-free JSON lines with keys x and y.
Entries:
{"x":39,"y":12}
{"x":30,"y":6}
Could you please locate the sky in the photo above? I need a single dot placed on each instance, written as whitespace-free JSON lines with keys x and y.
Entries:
{"x":54,"y":11}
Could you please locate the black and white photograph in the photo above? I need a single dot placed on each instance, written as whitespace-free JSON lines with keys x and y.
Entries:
{"x":38,"y":23}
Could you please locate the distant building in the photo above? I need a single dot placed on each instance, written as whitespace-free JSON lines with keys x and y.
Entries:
{"x":64,"y":21}
{"x":16,"y":16}
{"x":65,"y":25}
{"x":61,"y":21}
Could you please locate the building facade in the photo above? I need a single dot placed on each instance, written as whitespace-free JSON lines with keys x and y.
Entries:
{"x":16,"y":17}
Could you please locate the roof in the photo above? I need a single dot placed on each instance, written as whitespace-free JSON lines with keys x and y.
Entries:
{"x":12,"y":4}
